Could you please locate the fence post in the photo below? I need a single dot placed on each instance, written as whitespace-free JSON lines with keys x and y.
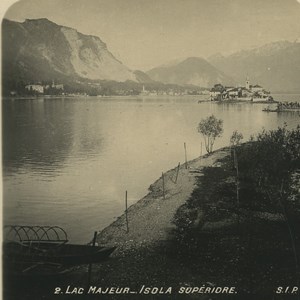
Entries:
{"x":90,"y":265}
{"x":163,"y":184}
{"x":126,"y":214}
{"x":201,"y":150}
{"x":185,"y":155}
{"x":236,"y":164}
{"x":201,"y":153}
{"x":177,"y":172}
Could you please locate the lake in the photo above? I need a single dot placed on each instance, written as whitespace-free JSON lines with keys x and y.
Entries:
{"x":69,"y":161}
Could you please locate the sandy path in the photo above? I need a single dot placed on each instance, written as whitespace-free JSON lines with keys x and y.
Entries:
{"x":150,"y":219}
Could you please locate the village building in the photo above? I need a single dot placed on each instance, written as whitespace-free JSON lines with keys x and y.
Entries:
{"x":217,"y":91}
{"x":256,"y":88}
{"x":35,"y":87}
{"x":58,"y":86}
{"x":246,"y":93}
{"x":232,"y":92}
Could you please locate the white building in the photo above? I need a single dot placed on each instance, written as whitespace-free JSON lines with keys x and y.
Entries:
{"x":35,"y":87}
{"x":256,"y":88}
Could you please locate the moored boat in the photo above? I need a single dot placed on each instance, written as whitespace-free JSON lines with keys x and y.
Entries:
{"x":64,"y":254}
{"x":284,"y":107}
{"x":45,"y":250}
{"x":40,"y":269}
{"x":269,"y":110}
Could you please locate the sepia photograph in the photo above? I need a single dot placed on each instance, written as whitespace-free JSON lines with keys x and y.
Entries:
{"x":150,"y":149}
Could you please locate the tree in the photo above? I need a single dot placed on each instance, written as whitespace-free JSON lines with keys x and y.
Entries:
{"x":272,"y":158}
{"x":236,"y":138}
{"x":210,"y":128}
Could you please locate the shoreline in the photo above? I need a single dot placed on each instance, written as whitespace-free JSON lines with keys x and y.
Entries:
{"x":37,"y":97}
{"x":214,"y":242}
{"x":150,"y":219}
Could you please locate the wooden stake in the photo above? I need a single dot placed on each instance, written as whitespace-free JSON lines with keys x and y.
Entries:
{"x":90,"y":265}
{"x":185,"y":155}
{"x":237,"y":176}
{"x":201,"y":150}
{"x":177,"y":172}
{"x":126,"y":214}
{"x":94,"y":239}
{"x":163,"y":184}
{"x":201,"y":153}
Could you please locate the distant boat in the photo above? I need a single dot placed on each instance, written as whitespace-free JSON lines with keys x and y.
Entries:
{"x":284,"y":107}
{"x":270,"y":110}
{"x":282,"y":110}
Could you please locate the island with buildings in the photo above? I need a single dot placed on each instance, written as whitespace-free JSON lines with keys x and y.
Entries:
{"x":251,"y":93}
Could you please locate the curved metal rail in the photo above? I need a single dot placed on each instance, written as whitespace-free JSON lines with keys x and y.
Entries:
{"x":34,"y":234}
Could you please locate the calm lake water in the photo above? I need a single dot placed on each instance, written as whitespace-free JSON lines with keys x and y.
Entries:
{"x":68,"y":161}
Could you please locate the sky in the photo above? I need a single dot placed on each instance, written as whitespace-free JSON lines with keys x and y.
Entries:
{"x":146,"y":33}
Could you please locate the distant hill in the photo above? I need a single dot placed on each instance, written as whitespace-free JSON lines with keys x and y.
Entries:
{"x":142,"y":77}
{"x":39,"y":49}
{"x":275,"y":66}
{"x":193,"y":70}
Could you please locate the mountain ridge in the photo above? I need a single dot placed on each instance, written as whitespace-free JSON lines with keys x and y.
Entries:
{"x":191,"y":70}
{"x":41,"y":49}
{"x":275,"y":65}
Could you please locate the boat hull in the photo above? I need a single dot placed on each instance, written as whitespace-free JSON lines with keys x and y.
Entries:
{"x":282,"y":110}
{"x":66,"y":254}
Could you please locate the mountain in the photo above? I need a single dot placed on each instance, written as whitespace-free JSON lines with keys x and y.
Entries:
{"x":275,"y":66}
{"x":39,"y":49}
{"x":193,"y":70}
{"x":142,"y":77}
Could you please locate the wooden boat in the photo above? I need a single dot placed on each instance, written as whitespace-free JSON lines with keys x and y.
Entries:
{"x":57,"y":253}
{"x":34,"y":269}
{"x":44,"y":250}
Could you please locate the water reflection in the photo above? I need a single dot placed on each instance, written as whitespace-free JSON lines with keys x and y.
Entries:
{"x":35,"y":135}
{"x":68,"y":162}
{"x":40,"y":134}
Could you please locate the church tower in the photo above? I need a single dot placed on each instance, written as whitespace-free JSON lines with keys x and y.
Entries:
{"x":247,"y":83}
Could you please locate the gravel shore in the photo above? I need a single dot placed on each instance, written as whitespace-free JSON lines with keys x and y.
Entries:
{"x":150,"y":219}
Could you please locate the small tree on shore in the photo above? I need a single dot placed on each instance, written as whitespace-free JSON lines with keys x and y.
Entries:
{"x":210,"y":128}
{"x":236,"y":138}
